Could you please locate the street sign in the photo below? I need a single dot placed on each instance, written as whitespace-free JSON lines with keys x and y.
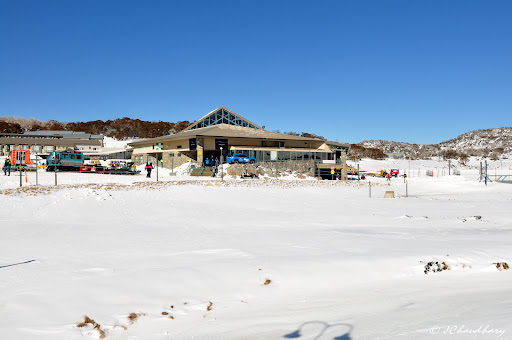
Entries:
{"x":332,"y":167}
{"x":332,"y":172}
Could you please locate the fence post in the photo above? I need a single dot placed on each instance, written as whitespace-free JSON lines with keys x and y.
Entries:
{"x":37,"y":179}
{"x":370,"y":189}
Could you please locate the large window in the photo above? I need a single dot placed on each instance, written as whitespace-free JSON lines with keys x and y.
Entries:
{"x":192,"y":144}
{"x":222,"y":116}
{"x":221,"y":143}
{"x":281,"y":156}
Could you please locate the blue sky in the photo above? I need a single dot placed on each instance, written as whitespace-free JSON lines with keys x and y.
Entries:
{"x":411,"y":71}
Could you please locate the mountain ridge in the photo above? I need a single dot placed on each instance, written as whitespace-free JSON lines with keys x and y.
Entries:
{"x":483,"y":142}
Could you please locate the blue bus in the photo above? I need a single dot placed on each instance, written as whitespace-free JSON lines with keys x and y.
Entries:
{"x":64,"y":161}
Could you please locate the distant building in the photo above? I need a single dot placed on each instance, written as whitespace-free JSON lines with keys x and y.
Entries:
{"x":223,"y":132}
{"x":395,"y":155}
{"x":44,"y":142}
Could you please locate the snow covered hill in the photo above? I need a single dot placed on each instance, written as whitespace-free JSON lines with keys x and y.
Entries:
{"x":479,"y":139}
{"x":487,"y":142}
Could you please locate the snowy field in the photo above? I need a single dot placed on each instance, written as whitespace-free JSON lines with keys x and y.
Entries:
{"x":256,"y":259}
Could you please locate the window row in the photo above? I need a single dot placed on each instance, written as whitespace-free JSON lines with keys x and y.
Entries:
{"x":268,"y":156}
{"x":33,"y":148}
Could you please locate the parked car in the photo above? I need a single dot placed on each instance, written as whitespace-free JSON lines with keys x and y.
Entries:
{"x":394,"y":172}
{"x":240,"y":158}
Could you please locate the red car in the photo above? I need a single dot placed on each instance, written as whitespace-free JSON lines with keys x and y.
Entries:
{"x":394,"y":173}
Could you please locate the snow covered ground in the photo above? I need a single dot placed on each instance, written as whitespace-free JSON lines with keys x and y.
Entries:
{"x":109,"y":142}
{"x":255,"y":259}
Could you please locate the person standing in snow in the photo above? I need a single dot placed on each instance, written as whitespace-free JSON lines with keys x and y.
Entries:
{"x":149,"y":167}
{"x":7,"y":167}
{"x":388,"y":177}
{"x":207,"y":161}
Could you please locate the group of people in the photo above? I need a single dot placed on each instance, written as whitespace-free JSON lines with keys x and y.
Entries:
{"x":211,"y":162}
{"x":7,"y":167}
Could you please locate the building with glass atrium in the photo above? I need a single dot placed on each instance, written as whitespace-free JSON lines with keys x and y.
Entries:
{"x":224,"y":132}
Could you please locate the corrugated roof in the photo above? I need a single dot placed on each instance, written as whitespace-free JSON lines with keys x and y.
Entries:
{"x":337,"y":143}
{"x":63,"y":134}
{"x":45,"y":141}
{"x":227,"y":131}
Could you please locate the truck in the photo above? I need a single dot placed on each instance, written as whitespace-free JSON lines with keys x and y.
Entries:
{"x":20,"y":159}
{"x":352,"y":171}
{"x":382,"y":173}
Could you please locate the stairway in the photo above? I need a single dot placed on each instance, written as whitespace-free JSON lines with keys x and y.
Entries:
{"x":207,"y":172}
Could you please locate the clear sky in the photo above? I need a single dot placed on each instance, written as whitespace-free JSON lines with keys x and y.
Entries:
{"x":411,"y":71}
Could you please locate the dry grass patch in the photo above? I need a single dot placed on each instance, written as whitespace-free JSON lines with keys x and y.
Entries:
{"x":267,"y":282}
{"x":96,"y":326}
{"x":100,"y":331}
{"x":209,"y":308}
{"x":134,"y":316}
{"x":502,"y":266}
{"x":435,"y":266}
{"x":32,"y":190}
{"x":87,"y":320}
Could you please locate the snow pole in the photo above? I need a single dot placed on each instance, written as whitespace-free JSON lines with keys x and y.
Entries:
{"x":26,"y":178}
{"x":37,"y":179}
{"x":485,"y":172}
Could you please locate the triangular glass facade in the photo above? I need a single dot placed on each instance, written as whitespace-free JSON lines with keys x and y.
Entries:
{"x":222,"y":116}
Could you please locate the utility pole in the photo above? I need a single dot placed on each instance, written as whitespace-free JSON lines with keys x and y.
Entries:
{"x":343,"y":166}
{"x":221,"y":175}
{"x":157,"y":167}
{"x":485,"y":172}
{"x":221,"y":165}
{"x":55,"y":165}
{"x":449,"y":167}
{"x":37,"y":178}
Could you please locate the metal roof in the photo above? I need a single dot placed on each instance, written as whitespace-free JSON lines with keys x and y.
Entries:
{"x":226,"y":131}
{"x":48,"y":141}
